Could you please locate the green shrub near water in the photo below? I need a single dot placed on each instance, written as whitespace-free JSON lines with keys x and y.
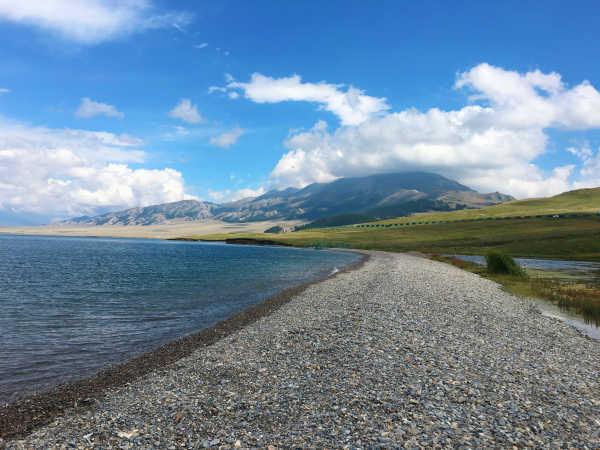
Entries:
{"x":501,"y":263}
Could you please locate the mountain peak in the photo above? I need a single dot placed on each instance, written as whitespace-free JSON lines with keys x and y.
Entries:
{"x":378,"y":196}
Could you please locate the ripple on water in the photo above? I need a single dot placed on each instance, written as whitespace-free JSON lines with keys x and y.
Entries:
{"x":70,"y":306}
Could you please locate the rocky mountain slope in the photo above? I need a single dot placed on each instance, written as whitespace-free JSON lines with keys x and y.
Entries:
{"x":185,"y":210}
{"x":377,"y":196}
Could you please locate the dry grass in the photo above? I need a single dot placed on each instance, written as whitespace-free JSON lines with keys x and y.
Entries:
{"x":166,"y":231}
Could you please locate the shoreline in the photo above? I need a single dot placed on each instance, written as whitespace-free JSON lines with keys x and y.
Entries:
{"x":25,"y":415}
{"x":405,"y":352}
{"x":157,"y":231}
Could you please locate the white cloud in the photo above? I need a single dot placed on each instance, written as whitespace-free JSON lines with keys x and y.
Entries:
{"x":201,"y":46}
{"x":583,"y":153}
{"x":4,"y":91}
{"x":532,"y":100}
{"x":64,"y":172}
{"x":590,"y":166}
{"x":351,"y":105}
{"x":489,"y":145}
{"x":89,"y":108}
{"x":228,"y":138}
{"x":185,"y":110}
{"x":233,"y":195}
{"x":90,"y":21}
{"x":213,"y":89}
{"x":177,"y":132}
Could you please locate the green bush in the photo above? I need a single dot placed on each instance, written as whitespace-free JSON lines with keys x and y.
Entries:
{"x":500,"y":263}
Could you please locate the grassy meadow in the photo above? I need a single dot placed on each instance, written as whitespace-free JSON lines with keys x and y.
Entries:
{"x":582,"y":201}
{"x":566,"y":226}
{"x":561,"y":238}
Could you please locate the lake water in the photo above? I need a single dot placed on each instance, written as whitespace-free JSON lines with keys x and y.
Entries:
{"x":71,"y":306}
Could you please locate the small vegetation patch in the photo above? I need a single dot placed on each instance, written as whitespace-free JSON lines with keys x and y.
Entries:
{"x":582,"y":298}
{"x":502,"y":264}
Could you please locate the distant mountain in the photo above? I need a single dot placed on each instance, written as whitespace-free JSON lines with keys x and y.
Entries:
{"x":375,"y":196}
{"x":384,"y":195}
{"x":185,"y":210}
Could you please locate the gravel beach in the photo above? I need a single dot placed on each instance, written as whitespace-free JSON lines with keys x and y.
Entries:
{"x":402,"y":352}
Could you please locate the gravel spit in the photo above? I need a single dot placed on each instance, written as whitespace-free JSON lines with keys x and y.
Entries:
{"x":402,"y":353}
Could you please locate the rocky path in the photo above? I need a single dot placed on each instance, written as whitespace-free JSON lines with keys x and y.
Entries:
{"x":403,"y":352}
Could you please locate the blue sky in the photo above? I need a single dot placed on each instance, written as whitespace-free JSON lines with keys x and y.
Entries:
{"x":499,"y":95}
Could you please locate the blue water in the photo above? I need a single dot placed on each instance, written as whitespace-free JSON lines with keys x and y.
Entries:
{"x":70,"y":306}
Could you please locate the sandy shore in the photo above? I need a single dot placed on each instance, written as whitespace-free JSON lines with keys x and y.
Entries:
{"x":401,"y":352}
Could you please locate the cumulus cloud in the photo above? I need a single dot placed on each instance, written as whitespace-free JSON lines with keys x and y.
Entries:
{"x":89,"y":108}
{"x":228,"y":138}
{"x":490,"y":144}
{"x":229,"y":195}
{"x":185,"y":110}
{"x":4,"y":91}
{"x":351,"y":105}
{"x":65,"y":172}
{"x":91,"y":21}
{"x":533,"y":99}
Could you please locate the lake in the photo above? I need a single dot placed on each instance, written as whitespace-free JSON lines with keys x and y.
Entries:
{"x":71,"y":306}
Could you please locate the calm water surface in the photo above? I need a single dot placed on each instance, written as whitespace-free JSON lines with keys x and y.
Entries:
{"x":70,"y":306}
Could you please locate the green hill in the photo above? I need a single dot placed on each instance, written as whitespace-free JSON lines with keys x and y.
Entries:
{"x":520,"y":228}
{"x":581,"y":201}
{"x":565,"y":238}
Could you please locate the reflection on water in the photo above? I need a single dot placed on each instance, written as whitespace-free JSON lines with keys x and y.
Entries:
{"x":550,"y":310}
{"x":585,"y":273}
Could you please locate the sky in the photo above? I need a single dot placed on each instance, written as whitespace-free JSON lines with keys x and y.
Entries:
{"x":109,"y":104}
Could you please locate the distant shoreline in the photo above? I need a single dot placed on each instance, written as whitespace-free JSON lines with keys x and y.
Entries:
{"x":19,"y":418}
{"x":162,"y":231}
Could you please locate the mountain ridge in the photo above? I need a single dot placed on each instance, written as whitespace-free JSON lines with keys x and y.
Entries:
{"x":380,"y":196}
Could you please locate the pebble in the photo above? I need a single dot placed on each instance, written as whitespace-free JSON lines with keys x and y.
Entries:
{"x":402,"y":353}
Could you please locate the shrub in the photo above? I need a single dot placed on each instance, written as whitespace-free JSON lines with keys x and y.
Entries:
{"x":500,"y":263}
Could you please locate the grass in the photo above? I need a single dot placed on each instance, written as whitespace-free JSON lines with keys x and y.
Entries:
{"x":571,"y":295}
{"x":565,"y":238}
{"x":521,"y":228}
{"x":579,"y":202}
{"x":503,"y":264}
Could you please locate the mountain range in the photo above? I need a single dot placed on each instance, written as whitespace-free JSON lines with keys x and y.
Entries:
{"x":375,"y":196}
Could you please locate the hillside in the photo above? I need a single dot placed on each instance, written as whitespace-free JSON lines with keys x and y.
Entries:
{"x":581,"y":201}
{"x":377,"y":196}
{"x":526,"y":228}
{"x":185,"y":210}
{"x":372,"y":197}
{"x":568,"y":238}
